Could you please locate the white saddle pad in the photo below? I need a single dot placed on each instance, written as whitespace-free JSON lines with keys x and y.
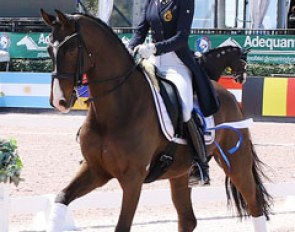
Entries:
{"x":167,"y":127}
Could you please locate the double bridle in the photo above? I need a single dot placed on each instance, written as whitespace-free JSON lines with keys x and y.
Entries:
{"x":80,"y":75}
{"x":238,"y":76}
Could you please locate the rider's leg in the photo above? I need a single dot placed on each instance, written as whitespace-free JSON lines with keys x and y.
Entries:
{"x":181,"y":76}
{"x":199,"y":172}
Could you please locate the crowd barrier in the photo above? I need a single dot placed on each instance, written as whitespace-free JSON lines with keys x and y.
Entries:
{"x":263,"y":98}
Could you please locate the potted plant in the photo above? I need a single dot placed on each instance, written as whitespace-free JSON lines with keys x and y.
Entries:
{"x":10,"y":169}
{"x":10,"y":162}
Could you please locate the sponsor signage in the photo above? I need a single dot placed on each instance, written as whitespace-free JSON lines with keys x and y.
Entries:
{"x":25,"y":45}
{"x":268,"y":49}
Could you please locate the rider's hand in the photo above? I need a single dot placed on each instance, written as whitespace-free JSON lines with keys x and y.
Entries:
{"x":146,"y":50}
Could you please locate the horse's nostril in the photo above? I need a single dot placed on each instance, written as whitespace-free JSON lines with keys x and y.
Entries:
{"x":62,"y":103}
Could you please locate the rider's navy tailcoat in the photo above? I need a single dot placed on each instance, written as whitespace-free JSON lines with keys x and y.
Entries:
{"x":170,"y":24}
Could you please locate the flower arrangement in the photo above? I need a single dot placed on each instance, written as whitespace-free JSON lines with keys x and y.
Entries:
{"x":10,"y":162}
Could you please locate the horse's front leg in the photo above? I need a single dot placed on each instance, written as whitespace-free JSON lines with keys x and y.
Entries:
{"x":131,"y":185}
{"x":181,"y":196}
{"x":85,"y":181}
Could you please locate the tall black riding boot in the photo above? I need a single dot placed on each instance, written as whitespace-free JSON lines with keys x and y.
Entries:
{"x":199,"y":171}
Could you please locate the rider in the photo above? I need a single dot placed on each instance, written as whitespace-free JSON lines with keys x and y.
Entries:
{"x":170,"y":24}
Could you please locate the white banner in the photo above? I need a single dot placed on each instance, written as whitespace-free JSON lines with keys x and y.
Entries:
{"x":105,"y":8}
{"x":258,"y":11}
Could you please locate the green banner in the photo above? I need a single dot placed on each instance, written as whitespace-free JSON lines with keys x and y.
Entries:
{"x":269,"y":49}
{"x":25,"y":45}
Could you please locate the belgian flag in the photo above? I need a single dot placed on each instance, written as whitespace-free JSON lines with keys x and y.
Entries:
{"x":278,"y":97}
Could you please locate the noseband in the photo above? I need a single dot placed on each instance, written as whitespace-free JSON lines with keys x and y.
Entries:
{"x":238,"y":76}
{"x":77,"y":76}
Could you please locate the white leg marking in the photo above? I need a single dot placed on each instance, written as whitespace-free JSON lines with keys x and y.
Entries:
{"x":259,"y":224}
{"x":57,"y":218}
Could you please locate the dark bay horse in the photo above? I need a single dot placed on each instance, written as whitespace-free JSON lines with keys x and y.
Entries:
{"x":216,"y":60}
{"x":121,"y":136}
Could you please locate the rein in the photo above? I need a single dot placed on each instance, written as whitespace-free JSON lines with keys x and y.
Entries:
{"x":124,"y":76}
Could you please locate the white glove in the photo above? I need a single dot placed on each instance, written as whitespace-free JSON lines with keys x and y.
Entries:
{"x":146,"y":50}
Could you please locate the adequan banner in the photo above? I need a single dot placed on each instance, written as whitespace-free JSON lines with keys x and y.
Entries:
{"x":24,"y":45}
{"x":268,"y":49}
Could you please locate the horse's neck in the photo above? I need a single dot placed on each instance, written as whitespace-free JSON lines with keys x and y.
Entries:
{"x":117,"y":101}
{"x":124,"y":103}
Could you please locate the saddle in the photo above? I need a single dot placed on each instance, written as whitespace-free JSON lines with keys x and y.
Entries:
{"x":170,"y":97}
{"x":169,"y":94}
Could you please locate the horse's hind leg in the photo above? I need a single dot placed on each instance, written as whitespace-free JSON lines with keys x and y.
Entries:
{"x":85,"y":181}
{"x":245,"y":175}
{"x":181,"y":197}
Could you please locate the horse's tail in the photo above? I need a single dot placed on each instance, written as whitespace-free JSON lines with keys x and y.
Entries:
{"x":263,"y":197}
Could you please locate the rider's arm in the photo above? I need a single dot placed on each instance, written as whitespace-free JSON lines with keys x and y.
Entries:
{"x":141,"y":30}
{"x":180,"y":39}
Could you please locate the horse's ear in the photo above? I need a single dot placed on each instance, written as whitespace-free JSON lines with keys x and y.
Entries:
{"x":48,"y":19}
{"x":62,"y":17}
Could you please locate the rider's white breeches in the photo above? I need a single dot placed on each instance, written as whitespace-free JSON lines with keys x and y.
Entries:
{"x":177,"y":72}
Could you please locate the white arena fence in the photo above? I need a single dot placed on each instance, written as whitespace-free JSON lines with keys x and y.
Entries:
{"x":40,"y":206}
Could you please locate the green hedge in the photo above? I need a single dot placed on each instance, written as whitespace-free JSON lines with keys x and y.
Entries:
{"x":45,"y":65}
{"x":269,"y":69}
{"x":28,"y":65}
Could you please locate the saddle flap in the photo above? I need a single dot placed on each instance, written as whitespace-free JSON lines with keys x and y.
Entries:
{"x":168,"y":92}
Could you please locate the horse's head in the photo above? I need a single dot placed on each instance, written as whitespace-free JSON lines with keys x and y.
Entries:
{"x":70,"y":59}
{"x":218,"y":59}
{"x":238,"y":65}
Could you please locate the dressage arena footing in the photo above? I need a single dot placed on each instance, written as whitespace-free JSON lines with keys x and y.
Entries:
{"x":47,"y":141}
